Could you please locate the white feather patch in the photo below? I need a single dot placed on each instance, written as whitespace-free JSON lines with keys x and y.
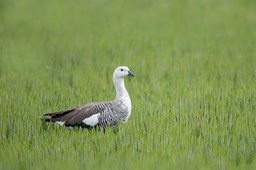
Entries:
{"x":92,"y":120}
{"x":60,"y":122}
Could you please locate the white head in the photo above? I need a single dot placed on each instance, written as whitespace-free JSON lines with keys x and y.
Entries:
{"x":121,"y":72}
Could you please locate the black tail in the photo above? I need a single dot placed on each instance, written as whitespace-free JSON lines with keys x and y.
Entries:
{"x":47,"y":117}
{"x":55,"y":116}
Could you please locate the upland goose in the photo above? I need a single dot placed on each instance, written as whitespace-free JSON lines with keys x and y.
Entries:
{"x":98,"y":114}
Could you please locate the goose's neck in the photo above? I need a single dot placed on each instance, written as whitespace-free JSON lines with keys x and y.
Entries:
{"x":121,"y":91}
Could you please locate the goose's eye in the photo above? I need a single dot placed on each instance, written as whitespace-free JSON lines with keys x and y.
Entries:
{"x":122,"y":69}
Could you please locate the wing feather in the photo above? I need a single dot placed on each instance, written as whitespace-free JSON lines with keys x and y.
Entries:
{"x":75,"y":117}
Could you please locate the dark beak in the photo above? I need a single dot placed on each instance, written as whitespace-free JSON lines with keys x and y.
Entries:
{"x":130,"y":74}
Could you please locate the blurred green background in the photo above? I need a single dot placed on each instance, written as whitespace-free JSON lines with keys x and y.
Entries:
{"x":193,"y":95}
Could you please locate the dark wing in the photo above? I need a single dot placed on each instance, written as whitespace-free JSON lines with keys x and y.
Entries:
{"x":74,"y":117}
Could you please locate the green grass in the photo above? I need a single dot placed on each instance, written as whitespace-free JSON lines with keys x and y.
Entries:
{"x":194,"y":94}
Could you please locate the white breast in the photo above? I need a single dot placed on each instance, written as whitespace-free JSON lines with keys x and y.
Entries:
{"x":127,"y":104}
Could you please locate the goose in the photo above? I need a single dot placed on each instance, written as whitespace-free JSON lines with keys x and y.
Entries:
{"x":98,"y":114}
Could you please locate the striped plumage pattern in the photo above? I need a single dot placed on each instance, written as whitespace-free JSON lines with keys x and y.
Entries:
{"x":98,"y":114}
{"x":110,"y":113}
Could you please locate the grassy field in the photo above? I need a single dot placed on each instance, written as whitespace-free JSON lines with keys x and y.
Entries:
{"x":193,"y":97}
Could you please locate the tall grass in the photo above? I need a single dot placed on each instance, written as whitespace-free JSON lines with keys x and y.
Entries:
{"x":193,"y":95}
